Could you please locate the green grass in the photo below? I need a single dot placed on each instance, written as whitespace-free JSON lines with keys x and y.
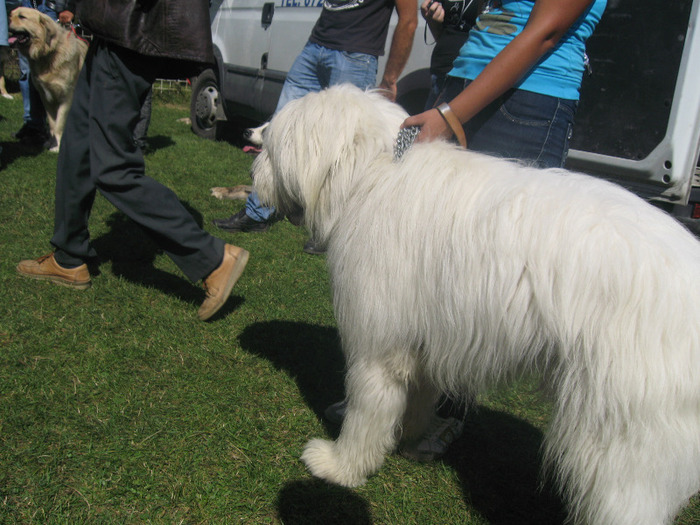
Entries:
{"x":118,"y":406}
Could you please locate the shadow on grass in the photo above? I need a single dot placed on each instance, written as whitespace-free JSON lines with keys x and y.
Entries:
{"x":132,"y":253}
{"x":13,"y":150}
{"x":498,"y":462}
{"x":158,"y":142}
{"x":308,"y":353}
{"x":497,"y":458}
{"x":309,"y":502}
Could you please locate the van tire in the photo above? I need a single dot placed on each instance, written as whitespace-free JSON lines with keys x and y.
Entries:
{"x":205,"y":104}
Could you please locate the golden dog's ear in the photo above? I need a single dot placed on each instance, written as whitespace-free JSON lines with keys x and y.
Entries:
{"x":50,"y":31}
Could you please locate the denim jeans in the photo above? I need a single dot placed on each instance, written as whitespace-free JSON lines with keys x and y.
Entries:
{"x":437,"y":84}
{"x":317,"y":68}
{"x":34,"y":114}
{"x":519,"y":125}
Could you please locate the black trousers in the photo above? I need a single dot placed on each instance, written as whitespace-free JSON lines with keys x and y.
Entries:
{"x":98,"y":152}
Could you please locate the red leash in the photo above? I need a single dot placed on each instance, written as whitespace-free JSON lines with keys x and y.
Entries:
{"x":72,"y":30}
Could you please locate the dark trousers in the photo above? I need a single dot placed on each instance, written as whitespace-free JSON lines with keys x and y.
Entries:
{"x":98,"y":152}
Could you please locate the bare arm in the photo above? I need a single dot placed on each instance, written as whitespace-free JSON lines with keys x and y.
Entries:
{"x":401,"y":44}
{"x":549,"y":21}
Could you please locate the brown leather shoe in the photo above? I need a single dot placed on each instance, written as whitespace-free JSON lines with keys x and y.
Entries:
{"x":47,"y":269}
{"x":220,"y":282}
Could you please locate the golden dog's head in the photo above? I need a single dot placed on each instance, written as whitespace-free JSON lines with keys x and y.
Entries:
{"x":34,"y":34}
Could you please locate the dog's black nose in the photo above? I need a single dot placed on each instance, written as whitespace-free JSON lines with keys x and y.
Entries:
{"x":247,"y":133}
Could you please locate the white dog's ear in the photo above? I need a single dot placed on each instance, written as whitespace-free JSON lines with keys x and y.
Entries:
{"x":320,"y":144}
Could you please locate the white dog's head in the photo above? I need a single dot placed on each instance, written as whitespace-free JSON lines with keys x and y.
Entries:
{"x":316,"y":147}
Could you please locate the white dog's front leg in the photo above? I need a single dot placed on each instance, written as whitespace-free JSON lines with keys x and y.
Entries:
{"x":376,"y":404}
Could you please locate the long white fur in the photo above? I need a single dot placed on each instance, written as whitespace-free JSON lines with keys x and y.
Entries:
{"x":452,"y":271}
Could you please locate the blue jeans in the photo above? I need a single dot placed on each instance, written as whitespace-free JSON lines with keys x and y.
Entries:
{"x":317,"y":68}
{"x":437,"y":84}
{"x":34,"y":114}
{"x":520,"y":125}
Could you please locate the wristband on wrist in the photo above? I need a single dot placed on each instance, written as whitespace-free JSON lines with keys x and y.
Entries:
{"x":453,"y":122}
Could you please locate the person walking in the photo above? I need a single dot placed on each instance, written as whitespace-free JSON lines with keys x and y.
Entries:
{"x":133,"y":43}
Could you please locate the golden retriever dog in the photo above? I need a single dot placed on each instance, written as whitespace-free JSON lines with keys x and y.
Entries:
{"x":55,"y":56}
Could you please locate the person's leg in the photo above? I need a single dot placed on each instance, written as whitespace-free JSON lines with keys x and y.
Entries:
{"x":359,"y":69}
{"x":24,"y":80}
{"x":520,"y":125}
{"x":24,"y":87}
{"x":37,"y":113}
{"x":34,"y":112}
{"x":526,"y":126}
{"x":118,"y":82}
{"x":121,"y":80}
{"x":255,"y":209}
{"x":75,"y":189}
{"x":301,"y":80}
{"x":4,"y":53}
{"x":4,"y":49}
{"x":302,"y":77}
{"x":141,"y":129}
{"x":437,"y":83}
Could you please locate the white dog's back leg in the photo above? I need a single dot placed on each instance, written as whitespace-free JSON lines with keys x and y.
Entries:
{"x":422,"y":400}
{"x":376,"y":404}
{"x":636,"y":469}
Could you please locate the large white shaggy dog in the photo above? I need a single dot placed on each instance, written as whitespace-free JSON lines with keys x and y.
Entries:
{"x":452,"y":271}
{"x":55,"y":55}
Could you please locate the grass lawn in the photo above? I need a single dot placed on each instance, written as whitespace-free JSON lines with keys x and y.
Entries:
{"x":118,"y":406}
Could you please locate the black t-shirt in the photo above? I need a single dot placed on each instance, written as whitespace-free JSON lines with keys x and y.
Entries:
{"x":355,"y":26}
{"x":460,"y":16}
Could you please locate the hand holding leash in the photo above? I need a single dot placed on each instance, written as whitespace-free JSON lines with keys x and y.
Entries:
{"x":432,"y":125}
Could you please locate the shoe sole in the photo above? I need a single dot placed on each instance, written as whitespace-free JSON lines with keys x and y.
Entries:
{"x":57,"y":280}
{"x":233,"y":277}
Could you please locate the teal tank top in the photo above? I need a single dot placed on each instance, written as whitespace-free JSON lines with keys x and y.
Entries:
{"x":558,"y":73}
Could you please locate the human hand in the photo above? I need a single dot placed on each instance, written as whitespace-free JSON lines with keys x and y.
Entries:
{"x":388,"y":89}
{"x":432,"y":126}
{"x":432,"y":11}
{"x":65,"y":17}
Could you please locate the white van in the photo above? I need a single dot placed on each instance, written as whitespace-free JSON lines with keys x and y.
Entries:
{"x":638,"y":121}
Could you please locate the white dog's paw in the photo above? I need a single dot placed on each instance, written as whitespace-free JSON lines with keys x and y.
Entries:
{"x":322,"y":461}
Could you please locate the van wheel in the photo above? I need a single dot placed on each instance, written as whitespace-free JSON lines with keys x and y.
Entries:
{"x":204,"y":104}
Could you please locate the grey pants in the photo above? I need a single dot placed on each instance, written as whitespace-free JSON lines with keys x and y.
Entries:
{"x":98,"y":152}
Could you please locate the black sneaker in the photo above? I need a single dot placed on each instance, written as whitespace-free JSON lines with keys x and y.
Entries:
{"x":23,"y":131}
{"x":240,"y":222}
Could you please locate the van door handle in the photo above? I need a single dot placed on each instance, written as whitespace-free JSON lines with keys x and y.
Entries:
{"x":267,"y":13}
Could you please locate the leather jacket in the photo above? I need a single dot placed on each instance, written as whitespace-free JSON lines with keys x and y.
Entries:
{"x":168,"y":29}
